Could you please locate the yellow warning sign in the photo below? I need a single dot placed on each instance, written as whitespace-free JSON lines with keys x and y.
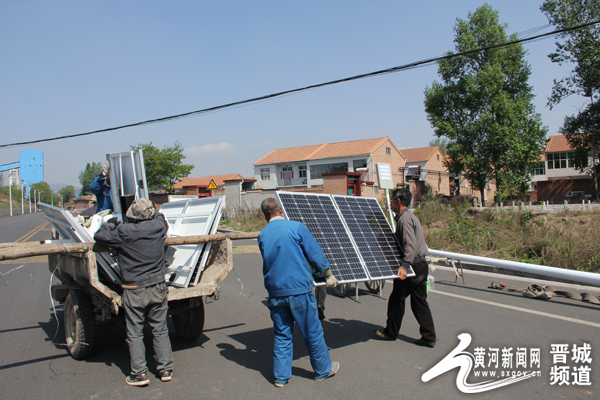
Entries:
{"x":212,"y":185}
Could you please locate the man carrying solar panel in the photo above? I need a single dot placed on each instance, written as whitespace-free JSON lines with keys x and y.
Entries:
{"x":413,"y":251}
{"x":289,"y":250}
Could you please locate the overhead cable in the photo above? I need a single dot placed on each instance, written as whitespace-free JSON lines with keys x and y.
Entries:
{"x":287,"y":92}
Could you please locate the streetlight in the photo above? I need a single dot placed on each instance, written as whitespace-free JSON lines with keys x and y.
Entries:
{"x":29,"y":197}
{"x":22,"y":204}
{"x":35,"y":191}
{"x":10,"y":191}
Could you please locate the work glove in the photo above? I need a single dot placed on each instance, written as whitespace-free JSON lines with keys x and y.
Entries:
{"x":106,"y":168}
{"x":331,"y":281}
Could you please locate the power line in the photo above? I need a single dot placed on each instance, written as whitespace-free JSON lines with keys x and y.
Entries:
{"x":404,"y":67}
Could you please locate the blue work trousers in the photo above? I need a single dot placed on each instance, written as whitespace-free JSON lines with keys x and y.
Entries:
{"x":141,"y":305}
{"x":302,"y":309}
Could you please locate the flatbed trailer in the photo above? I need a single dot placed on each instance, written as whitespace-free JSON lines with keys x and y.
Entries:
{"x":91,"y":298}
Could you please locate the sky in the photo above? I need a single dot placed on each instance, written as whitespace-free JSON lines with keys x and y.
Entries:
{"x":71,"y":67}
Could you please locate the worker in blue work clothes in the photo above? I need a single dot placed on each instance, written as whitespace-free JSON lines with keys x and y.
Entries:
{"x":100,"y":186}
{"x":289,"y":250}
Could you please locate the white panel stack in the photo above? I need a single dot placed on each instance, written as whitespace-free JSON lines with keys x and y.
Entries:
{"x":189,"y":218}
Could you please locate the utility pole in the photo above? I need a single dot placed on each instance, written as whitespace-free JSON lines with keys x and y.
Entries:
{"x":22,"y":204}
{"x":29,"y":197}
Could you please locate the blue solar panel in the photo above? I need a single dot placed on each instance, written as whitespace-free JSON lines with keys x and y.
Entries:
{"x":372,"y":235}
{"x":321,"y":218}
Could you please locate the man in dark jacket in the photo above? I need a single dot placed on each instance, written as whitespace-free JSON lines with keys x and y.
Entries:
{"x":413,"y":251}
{"x":140,"y":247}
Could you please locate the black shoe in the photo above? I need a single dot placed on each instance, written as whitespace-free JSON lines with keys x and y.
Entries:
{"x":425,"y":343}
{"x":380,"y":334}
{"x":138,"y":380}
{"x":166,"y":376}
{"x":321,"y":312}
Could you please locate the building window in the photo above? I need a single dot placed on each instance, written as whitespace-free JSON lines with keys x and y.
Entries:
{"x":539,"y":169}
{"x":359,"y":164}
{"x":388,"y":150}
{"x":265,"y":174}
{"x":560,"y":160}
{"x":286,"y":169}
{"x":302,"y":171}
{"x":317,"y":171}
{"x":438,"y":157}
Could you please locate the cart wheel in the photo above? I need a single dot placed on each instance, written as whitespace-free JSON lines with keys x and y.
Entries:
{"x":79,"y":330}
{"x":373,"y":286}
{"x":189,"y":322}
{"x":342,"y":289}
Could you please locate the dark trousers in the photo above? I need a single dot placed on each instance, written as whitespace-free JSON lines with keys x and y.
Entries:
{"x":141,"y":305}
{"x":416,"y":288}
{"x":321,"y":295}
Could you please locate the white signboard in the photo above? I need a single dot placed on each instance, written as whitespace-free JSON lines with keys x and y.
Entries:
{"x":384,"y":175}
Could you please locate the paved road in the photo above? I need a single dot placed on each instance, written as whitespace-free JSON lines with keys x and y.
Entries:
{"x":232,"y":358}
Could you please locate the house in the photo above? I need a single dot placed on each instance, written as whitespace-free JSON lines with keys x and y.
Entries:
{"x":83,"y":202}
{"x":555,"y":178}
{"x":199,"y":186}
{"x":425,"y":166}
{"x":335,"y":168}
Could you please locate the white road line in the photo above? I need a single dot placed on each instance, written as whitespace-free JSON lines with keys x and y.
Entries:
{"x":525,"y":310}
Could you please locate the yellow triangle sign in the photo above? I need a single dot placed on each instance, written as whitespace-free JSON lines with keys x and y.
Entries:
{"x":212,"y":185}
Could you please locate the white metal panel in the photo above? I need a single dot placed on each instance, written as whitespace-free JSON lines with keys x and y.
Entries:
{"x":70,"y":228}
{"x":189,"y":218}
{"x":127,"y":177}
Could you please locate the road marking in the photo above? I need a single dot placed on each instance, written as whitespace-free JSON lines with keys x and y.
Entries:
{"x":525,"y":310}
{"x":31,"y":233}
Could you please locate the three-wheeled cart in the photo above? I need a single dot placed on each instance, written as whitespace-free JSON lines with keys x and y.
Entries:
{"x":91,"y":299}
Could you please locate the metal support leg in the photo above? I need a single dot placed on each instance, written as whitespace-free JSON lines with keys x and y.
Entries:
{"x":456,"y":270}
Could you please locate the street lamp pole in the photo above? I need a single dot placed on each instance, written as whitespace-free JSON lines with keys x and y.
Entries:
{"x":22,"y":204}
{"x":10,"y":191}
{"x":29,"y":197}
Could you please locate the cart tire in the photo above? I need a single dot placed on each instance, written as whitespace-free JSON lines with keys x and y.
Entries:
{"x":189,"y":322}
{"x":342,"y":289}
{"x":373,"y":286}
{"x":79,"y":329}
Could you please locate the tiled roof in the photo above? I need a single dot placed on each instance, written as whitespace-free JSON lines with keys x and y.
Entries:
{"x":419,"y":154}
{"x":320,"y":151}
{"x":205,"y":181}
{"x":558,"y":143}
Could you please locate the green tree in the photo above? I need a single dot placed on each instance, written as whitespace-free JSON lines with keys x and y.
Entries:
{"x":87,"y":176}
{"x":579,"y":48}
{"x":164,"y":167}
{"x":45,"y":193}
{"x":484,"y":107}
{"x":440,"y":142}
{"x":66,"y":193}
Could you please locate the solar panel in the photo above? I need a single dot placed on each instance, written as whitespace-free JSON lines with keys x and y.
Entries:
{"x":372,"y":235}
{"x":318,"y":213}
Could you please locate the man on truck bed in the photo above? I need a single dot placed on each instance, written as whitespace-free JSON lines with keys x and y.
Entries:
{"x":100,"y":186}
{"x":140,"y":250}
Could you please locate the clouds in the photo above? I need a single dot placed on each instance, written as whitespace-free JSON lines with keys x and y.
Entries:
{"x":220,"y":148}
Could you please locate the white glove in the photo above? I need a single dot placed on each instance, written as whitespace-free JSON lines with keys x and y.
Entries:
{"x":106,"y":168}
{"x":331,"y":281}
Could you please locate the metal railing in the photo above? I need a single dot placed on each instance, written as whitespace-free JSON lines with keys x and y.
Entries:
{"x":553,"y":272}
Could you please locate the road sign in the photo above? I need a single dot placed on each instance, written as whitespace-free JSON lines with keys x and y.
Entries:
{"x":212,"y":185}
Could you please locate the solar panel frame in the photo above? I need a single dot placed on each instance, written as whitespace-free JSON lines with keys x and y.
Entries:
{"x":372,"y":235}
{"x":321,"y":217}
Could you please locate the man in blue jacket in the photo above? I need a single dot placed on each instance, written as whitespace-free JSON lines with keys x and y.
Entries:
{"x":288,"y":248}
{"x":100,"y":186}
